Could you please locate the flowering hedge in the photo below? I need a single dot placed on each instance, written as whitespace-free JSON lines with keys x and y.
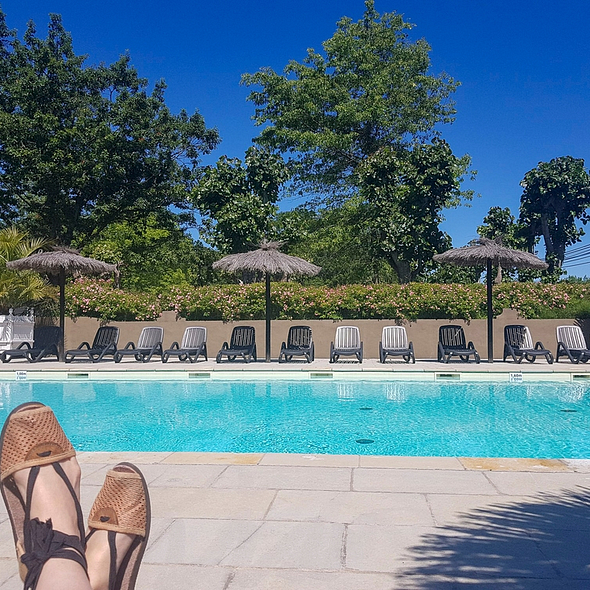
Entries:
{"x":98,"y":298}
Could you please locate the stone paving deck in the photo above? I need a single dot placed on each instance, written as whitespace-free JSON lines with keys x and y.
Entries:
{"x":333,"y":522}
{"x":303,"y":522}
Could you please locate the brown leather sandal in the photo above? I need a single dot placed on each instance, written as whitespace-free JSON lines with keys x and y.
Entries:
{"x":31,"y":438}
{"x":123,"y":506}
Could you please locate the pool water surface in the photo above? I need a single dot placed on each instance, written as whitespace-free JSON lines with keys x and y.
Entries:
{"x":538,"y":420}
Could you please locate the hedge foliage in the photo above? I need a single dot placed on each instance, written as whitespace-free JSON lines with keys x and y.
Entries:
{"x":99,"y":298}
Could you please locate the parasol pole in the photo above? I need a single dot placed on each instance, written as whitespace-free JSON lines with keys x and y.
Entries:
{"x":267,"y":317}
{"x":490,"y":311}
{"x":62,"y":313}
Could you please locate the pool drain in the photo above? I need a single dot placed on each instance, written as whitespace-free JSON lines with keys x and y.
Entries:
{"x":364,"y":441}
{"x":569,"y":411}
{"x":365,"y":408}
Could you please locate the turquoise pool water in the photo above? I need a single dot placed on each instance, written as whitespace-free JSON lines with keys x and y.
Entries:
{"x":546,"y":420}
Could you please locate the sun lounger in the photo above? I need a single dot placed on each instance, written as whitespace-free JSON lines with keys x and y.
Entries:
{"x":104,"y":343}
{"x":242,"y":343}
{"x":347,"y":342}
{"x":394,"y":342}
{"x":518,"y":344}
{"x":452,"y":342}
{"x":571,"y":343}
{"x":299,"y":343}
{"x":193,"y":345}
{"x":149,"y":343}
{"x":46,"y":339}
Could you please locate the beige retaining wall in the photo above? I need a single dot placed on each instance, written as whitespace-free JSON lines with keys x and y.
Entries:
{"x":423,"y":333}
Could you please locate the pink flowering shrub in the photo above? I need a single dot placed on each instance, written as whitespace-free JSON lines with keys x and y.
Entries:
{"x":290,"y":300}
{"x":99,"y":299}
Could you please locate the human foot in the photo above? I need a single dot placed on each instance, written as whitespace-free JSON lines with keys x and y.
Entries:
{"x":40,"y":481}
{"x":119,"y":524}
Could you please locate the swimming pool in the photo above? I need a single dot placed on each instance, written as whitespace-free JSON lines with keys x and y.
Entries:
{"x":476,"y":419}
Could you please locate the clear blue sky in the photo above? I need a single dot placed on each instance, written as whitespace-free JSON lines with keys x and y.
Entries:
{"x":524,"y":68}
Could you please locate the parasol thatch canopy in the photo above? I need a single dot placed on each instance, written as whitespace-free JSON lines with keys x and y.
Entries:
{"x":61,"y":259}
{"x":270,"y":261}
{"x":60,"y":262}
{"x":485,"y":249}
{"x":491,"y":253}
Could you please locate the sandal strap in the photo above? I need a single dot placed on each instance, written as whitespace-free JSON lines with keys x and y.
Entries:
{"x":44,"y":543}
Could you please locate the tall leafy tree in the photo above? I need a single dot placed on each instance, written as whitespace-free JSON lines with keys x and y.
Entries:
{"x":370,"y":89}
{"x":153,"y":254}
{"x":237,"y":200}
{"x":82,"y":147}
{"x":556,"y":196}
{"x":402,"y":198}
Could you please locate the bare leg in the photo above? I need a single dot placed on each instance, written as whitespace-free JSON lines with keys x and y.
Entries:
{"x":52,"y":500}
{"x":98,"y":557}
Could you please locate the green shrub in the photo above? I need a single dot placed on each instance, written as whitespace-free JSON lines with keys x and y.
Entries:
{"x":290,"y":300}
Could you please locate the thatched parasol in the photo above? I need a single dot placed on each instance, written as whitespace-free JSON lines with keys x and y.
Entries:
{"x":59,"y":263}
{"x":490,"y":253}
{"x":270,"y":261}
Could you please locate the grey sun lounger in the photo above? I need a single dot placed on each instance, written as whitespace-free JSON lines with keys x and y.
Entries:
{"x":149,"y":343}
{"x":104,"y":343}
{"x":242,"y":343}
{"x":45,"y":341}
{"x":518,"y":344}
{"x":193,"y":345}
{"x":299,"y":343}
{"x":452,"y":342}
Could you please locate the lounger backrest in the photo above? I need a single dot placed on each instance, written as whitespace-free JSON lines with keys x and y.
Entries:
{"x":518,"y":336}
{"x":193,"y":337}
{"x":105,"y":336}
{"x":46,"y":335}
{"x":572,"y":337}
{"x":394,"y":338}
{"x":242,"y":337}
{"x":452,"y":337}
{"x":149,"y":337}
{"x":299,"y":337}
{"x":347,"y":337}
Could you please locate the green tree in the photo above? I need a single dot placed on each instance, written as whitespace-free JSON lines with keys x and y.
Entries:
{"x":556,"y":196}
{"x":403,"y":196}
{"x":237,"y":200}
{"x":369,"y":91}
{"x":332,"y":238}
{"x":20,"y":288}
{"x":82,"y":147}
{"x":153,"y":254}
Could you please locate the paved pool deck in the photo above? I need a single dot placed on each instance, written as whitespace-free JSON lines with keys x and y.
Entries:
{"x":347,"y":522}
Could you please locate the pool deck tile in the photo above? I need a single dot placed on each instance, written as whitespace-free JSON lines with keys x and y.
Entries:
{"x":299,"y":460}
{"x":372,"y":508}
{"x":418,"y":481}
{"x":214,"y":458}
{"x":224,"y":526}
{"x":279,"y":476}
{"x":411,"y":462}
{"x":510,"y":464}
{"x":214,"y":504}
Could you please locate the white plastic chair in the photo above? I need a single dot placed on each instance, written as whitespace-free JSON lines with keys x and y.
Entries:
{"x":394,"y":342}
{"x":347,"y":342}
{"x":571,"y":343}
